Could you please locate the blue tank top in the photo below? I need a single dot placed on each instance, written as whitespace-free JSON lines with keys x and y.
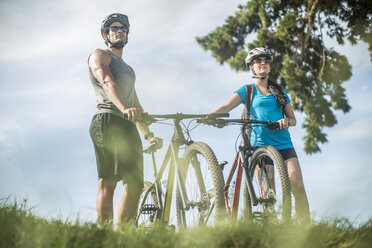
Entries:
{"x":265,"y":108}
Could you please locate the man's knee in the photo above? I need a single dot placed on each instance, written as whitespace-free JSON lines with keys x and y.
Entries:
{"x":107,"y":184}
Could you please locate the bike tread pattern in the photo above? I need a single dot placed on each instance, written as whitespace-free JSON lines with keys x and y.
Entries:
{"x":216,"y":174}
{"x":271,"y":152}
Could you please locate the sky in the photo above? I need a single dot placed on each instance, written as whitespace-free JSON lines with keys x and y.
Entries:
{"x":47,"y":102}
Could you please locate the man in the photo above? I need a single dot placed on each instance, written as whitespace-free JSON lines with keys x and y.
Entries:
{"x":116,"y":140}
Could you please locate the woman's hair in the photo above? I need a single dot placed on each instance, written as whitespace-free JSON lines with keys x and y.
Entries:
{"x":277,"y":92}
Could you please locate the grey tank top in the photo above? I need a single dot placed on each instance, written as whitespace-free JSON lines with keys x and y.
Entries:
{"x":124,"y":77}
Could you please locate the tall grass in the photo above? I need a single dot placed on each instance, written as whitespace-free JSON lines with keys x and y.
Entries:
{"x":20,"y":228}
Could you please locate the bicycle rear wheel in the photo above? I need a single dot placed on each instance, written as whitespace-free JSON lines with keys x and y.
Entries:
{"x":204,"y":188}
{"x":271,"y":186}
{"x":149,"y":210}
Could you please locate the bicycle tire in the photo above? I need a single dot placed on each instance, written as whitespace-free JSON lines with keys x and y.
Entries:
{"x":204,"y":187}
{"x":276,"y":202}
{"x":149,"y":210}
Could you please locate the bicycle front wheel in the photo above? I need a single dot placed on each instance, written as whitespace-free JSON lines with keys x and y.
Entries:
{"x":148,"y":210}
{"x":204,"y":188}
{"x":271,"y":186}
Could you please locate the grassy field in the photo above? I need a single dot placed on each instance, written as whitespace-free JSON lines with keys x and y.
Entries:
{"x":20,"y":228}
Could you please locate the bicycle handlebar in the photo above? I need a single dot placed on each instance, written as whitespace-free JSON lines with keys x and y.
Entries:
{"x":181,"y":116}
{"x":220,"y":123}
{"x":151,"y":118}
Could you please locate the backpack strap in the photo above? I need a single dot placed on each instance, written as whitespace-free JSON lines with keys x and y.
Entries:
{"x":248,"y":98}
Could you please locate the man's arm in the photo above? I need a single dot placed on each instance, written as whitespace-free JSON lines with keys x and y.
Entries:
{"x":99,"y":63}
{"x":141,"y":126}
{"x":144,"y":128}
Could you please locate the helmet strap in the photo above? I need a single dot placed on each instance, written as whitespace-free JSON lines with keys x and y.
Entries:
{"x":258,"y":77}
{"x":261,"y":78}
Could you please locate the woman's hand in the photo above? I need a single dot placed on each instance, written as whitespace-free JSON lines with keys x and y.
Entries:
{"x":284,"y":123}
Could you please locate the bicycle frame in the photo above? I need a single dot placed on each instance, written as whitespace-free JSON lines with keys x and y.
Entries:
{"x":172,"y":160}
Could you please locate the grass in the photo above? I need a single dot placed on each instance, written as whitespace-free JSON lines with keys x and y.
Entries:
{"x":20,"y":228}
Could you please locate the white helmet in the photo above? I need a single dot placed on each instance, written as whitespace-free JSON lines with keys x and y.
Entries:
{"x":256,"y":53}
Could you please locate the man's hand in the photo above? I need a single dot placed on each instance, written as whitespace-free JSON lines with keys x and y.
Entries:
{"x":157,"y":141}
{"x":133,"y":114}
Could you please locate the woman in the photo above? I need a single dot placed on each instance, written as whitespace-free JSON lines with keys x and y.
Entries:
{"x":271,"y":102}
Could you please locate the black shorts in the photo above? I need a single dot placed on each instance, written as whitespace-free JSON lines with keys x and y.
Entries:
{"x":286,"y":154}
{"x":118,"y":148}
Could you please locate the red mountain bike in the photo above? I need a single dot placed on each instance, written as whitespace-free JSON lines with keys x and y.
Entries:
{"x":266,"y":186}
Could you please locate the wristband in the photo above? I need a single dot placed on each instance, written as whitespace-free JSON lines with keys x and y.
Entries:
{"x":149,"y":135}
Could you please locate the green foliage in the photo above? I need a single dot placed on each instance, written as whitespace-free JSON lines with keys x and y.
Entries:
{"x":20,"y":228}
{"x":311,"y":72}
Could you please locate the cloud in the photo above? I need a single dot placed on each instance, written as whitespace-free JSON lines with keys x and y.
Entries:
{"x":11,"y":138}
{"x":357,"y":130}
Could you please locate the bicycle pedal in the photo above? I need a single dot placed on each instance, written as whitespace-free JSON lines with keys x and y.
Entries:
{"x":149,"y":209}
{"x":257,"y":214}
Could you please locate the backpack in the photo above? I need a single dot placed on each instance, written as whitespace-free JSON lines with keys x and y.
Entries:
{"x":248,"y":99}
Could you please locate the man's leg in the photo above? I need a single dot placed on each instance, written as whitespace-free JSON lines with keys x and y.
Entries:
{"x":105,"y":195}
{"x":298,"y":190}
{"x":127,"y":208}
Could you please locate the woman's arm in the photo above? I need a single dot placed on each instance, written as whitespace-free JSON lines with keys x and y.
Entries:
{"x":232,"y":103}
{"x":290,"y":119}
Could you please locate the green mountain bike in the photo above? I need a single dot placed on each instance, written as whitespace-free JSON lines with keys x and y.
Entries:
{"x":193,"y":167}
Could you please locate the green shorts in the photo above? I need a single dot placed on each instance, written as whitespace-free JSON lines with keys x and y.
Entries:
{"x":118,"y":148}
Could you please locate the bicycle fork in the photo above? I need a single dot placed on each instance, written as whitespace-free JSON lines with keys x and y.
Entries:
{"x":263,"y":182}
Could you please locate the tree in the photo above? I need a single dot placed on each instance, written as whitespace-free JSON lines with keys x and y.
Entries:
{"x":294,"y":30}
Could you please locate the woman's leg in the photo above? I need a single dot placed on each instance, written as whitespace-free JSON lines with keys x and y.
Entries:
{"x":298,"y":190}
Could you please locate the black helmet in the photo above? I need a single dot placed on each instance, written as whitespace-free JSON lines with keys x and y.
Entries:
{"x":256,"y":53}
{"x":116,"y":17}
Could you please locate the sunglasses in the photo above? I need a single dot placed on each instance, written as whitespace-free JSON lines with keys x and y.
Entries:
{"x":259,"y":61}
{"x":116,"y":28}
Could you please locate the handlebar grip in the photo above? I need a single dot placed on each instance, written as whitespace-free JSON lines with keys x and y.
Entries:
{"x":273,"y":125}
{"x":218,"y":115}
